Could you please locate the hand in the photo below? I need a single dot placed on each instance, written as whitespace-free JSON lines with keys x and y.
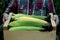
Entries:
{"x":56,"y":19}
{"x":5,"y":17}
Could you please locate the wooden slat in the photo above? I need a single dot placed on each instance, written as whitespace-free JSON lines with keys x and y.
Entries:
{"x":29,"y":35}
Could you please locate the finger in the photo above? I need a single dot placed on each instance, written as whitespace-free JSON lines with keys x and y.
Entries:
{"x":12,"y":13}
{"x":57,"y":20}
{"x":5,"y":17}
{"x":3,"y":20}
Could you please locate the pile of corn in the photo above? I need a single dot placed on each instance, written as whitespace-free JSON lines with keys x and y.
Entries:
{"x":24,"y":22}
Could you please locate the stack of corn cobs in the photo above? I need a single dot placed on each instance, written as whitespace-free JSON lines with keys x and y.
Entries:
{"x":23,"y":22}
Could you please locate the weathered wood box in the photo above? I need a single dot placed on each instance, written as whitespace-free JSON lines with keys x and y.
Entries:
{"x":27,"y":35}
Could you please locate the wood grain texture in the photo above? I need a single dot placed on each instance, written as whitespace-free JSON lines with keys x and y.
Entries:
{"x":29,"y":35}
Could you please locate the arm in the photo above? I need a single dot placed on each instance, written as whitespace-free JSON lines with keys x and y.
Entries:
{"x":5,"y":15}
{"x":9,"y":6}
{"x":52,"y":12}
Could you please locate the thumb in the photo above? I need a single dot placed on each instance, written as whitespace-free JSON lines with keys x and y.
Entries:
{"x":56,"y":19}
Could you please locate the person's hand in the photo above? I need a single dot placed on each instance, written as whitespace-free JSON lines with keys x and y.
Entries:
{"x":55,"y":18}
{"x":5,"y":17}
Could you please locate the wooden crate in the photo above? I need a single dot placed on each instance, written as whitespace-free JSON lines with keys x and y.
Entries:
{"x":28,"y":35}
